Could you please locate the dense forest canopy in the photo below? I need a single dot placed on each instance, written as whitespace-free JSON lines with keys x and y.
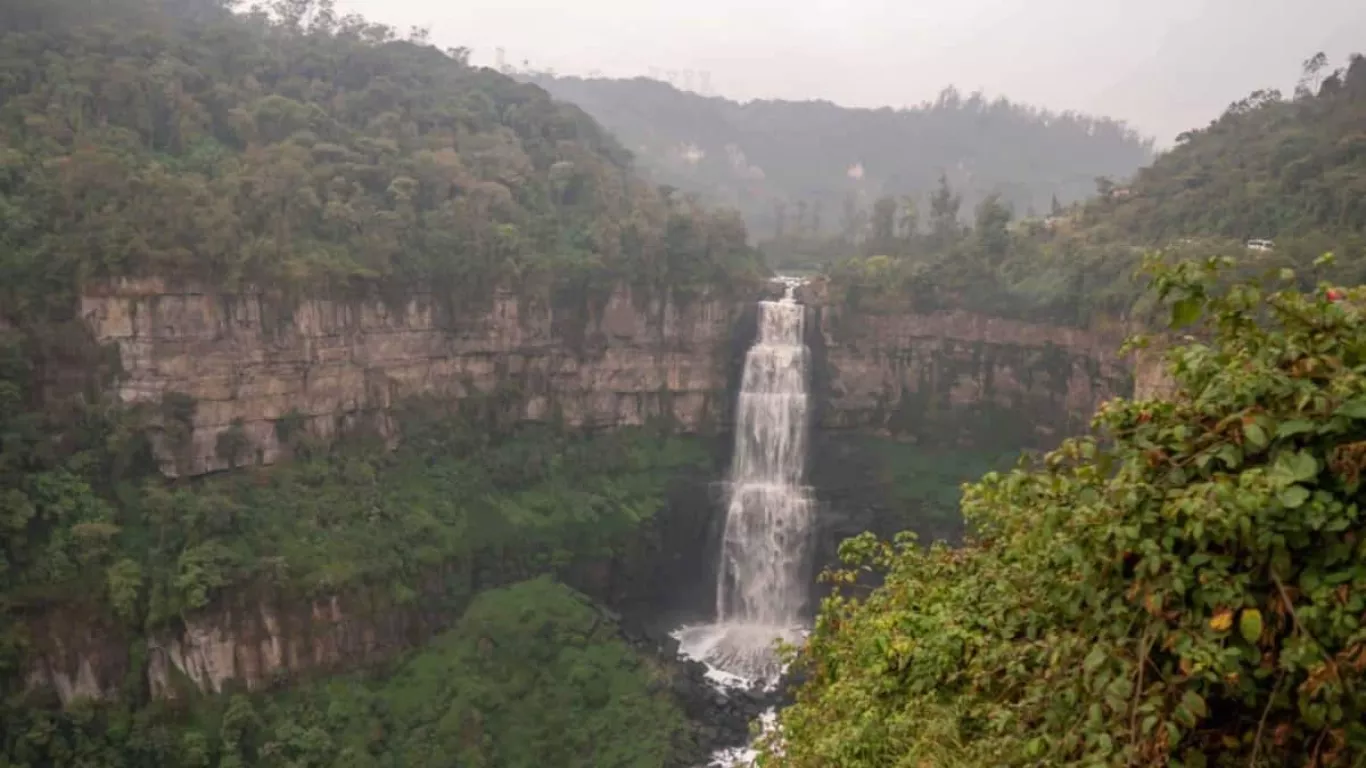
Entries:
{"x":815,"y":167}
{"x":290,"y":149}
{"x":297,"y":148}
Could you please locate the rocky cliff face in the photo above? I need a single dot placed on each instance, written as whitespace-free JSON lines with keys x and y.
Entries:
{"x":252,"y":644}
{"x":246,"y":362}
{"x":958,"y":376}
{"x":238,"y":366}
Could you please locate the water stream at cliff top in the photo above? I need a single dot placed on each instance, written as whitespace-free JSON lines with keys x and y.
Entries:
{"x":762,"y":578}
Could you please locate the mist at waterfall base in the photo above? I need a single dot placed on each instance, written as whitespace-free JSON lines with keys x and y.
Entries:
{"x":763,"y":571}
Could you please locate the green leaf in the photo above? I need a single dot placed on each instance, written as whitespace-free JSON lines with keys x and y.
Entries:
{"x":1296,"y":467}
{"x":1186,"y":311}
{"x":1310,"y":579}
{"x":1303,"y":466}
{"x":1353,"y":409}
{"x":1230,"y":455}
{"x":1094,"y":659}
{"x":1250,"y":625}
{"x":1294,"y":496}
{"x":1192,"y":758}
{"x":1192,"y":701}
{"x":1294,"y":427}
{"x":1254,"y":435}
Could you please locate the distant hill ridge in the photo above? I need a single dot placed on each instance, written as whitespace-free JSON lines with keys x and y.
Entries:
{"x":777,"y":161}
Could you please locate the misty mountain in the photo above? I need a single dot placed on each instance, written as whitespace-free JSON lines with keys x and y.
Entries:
{"x":811,"y":165}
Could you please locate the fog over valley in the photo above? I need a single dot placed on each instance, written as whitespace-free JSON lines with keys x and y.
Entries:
{"x":1164,"y":66}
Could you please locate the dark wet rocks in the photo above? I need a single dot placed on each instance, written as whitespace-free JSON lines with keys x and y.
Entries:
{"x":720,"y":718}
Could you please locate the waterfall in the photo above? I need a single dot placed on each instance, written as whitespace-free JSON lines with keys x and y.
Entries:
{"x":762,"y":575}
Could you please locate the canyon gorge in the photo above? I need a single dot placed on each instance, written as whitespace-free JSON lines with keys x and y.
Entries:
{"x":246,"y":364}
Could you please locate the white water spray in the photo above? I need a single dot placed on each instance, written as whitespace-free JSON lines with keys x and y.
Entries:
{"x":762,"y":579}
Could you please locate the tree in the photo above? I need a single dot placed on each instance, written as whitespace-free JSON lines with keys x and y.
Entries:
{"x":944,"y":205}
{"x":992,"y":227}
{"x":882,"y":236}
{"x":853,"y":220}
{"x":1310,"y":76}
{"x":908,"y":220}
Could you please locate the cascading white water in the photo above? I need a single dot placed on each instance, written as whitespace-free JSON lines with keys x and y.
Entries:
{"x":762,"y":580}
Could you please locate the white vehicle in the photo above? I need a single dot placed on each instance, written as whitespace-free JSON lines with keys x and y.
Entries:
{"x":1260,"y":245}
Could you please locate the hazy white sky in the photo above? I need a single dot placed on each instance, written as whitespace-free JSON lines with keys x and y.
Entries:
{"x":1163,"y":65}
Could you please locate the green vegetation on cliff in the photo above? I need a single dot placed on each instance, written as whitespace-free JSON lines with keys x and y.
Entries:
{"x":814,"y":168}
{"x":532,"y":675}
{"x":457,"y":508}
{"x":1186,"y":587}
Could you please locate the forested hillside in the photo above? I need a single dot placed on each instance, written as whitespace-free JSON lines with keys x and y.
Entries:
{"x":1290,"y":169}
{"x":814,"y":167}
{"x":1271,"y":166}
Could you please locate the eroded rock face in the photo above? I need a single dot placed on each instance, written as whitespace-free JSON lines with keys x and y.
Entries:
{"x":251,"y":361}
{"x":960,"y":377}
{"x":256,"y":645}
{"x":80,"y":654}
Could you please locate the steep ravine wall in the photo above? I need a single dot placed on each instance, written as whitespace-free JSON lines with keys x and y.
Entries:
{"x":247,"y":359}
{"x":958,"y":377}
